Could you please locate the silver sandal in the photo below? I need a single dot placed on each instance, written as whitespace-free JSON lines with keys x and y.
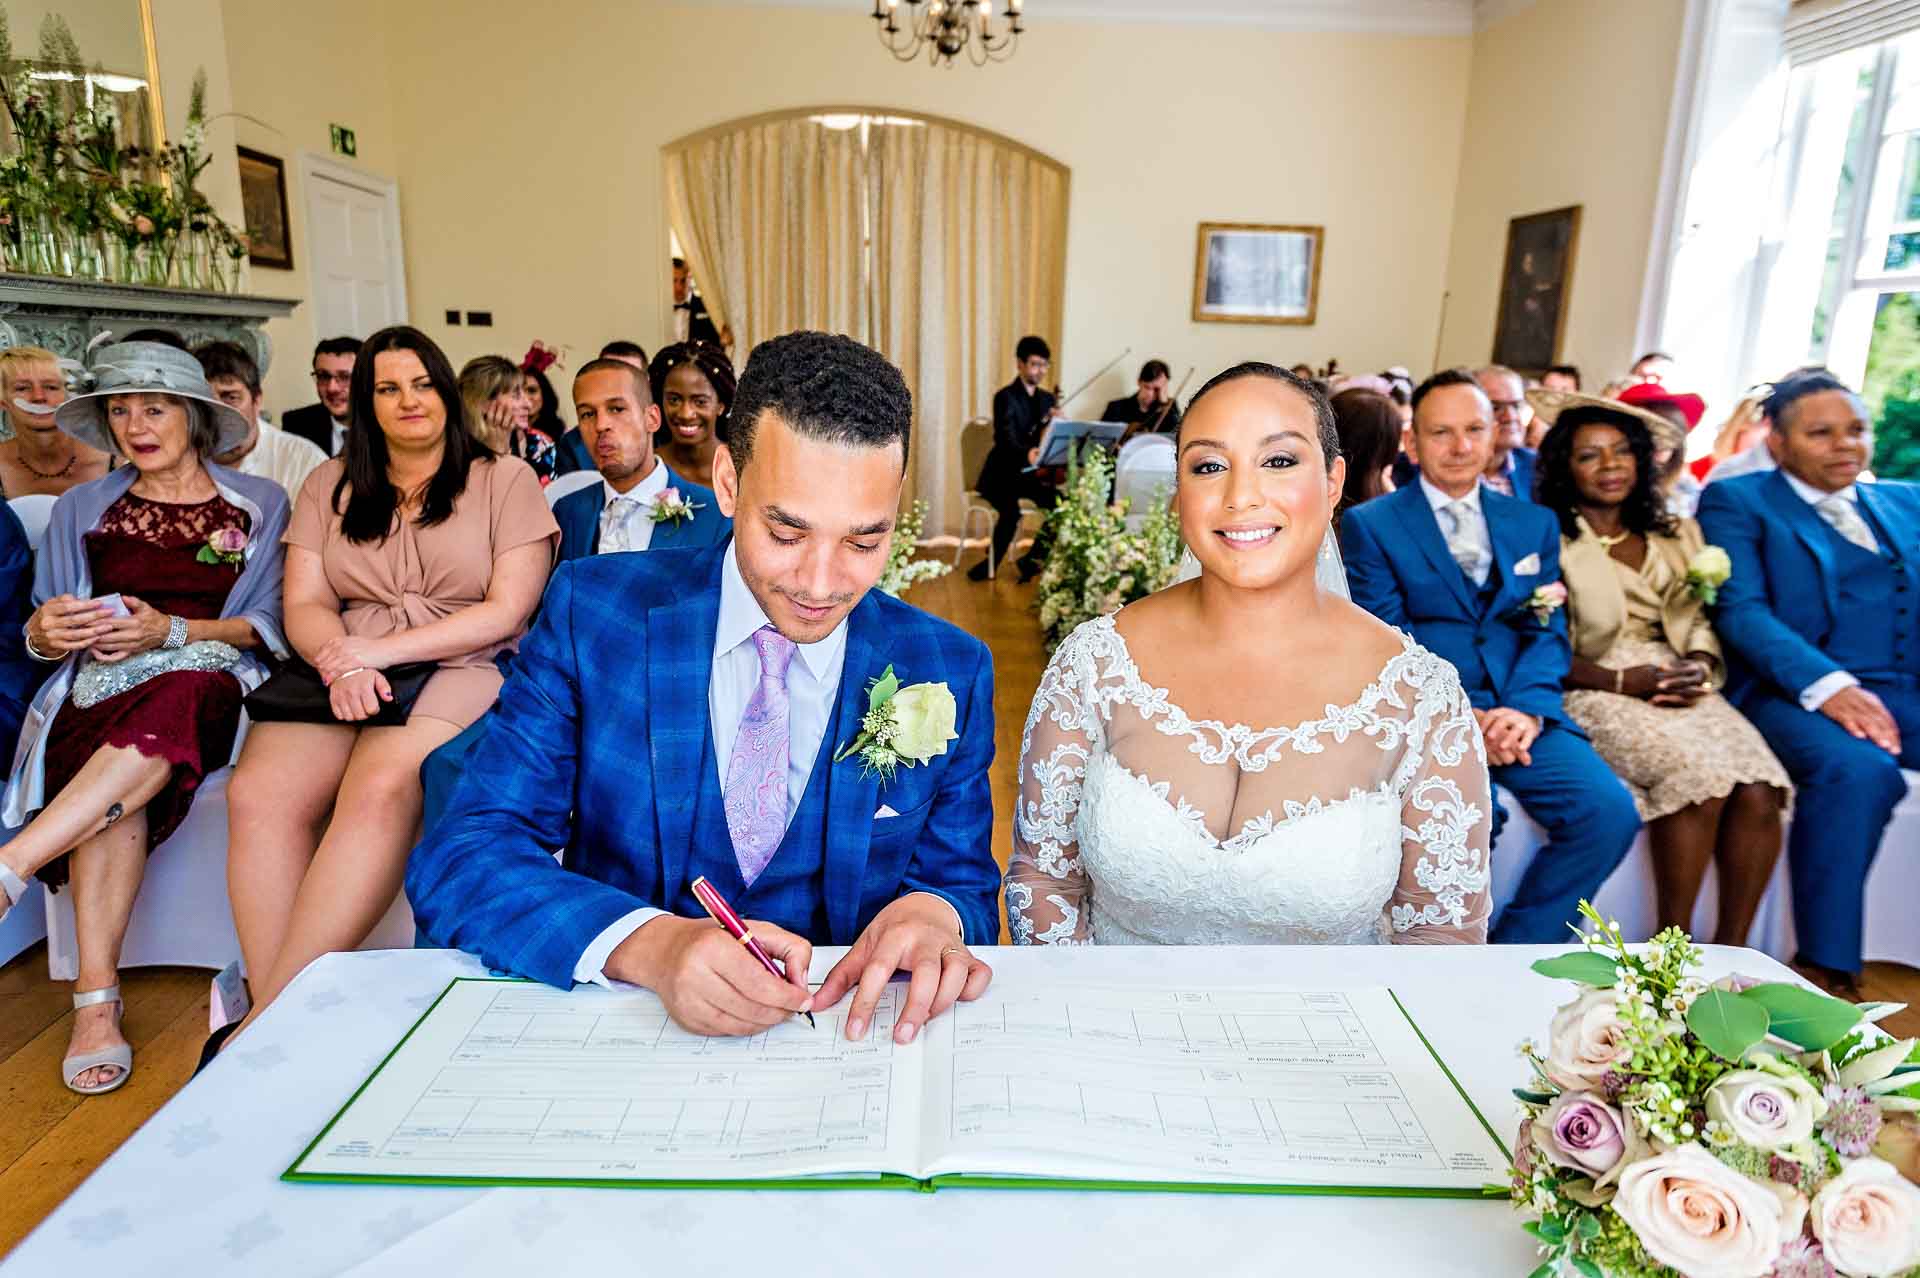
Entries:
{"x":122,"y":1055}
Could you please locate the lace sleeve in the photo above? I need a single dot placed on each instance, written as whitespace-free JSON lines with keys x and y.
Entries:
{"x":1444,"y":896}
{"x":1046,"y":885}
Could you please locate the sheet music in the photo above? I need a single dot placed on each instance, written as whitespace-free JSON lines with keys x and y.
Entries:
{"x":1270,"y":1086}
{"x":508,"y":1079}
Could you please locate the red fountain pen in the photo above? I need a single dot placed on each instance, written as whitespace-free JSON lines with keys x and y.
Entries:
{"x":723,"y":914}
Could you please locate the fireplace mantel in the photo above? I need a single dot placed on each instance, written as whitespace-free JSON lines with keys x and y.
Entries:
{"x":64,"y":315}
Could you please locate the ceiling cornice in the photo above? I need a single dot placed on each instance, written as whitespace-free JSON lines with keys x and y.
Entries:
{"x":1381,"y":17}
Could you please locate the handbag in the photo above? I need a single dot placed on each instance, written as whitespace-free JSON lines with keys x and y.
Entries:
{"x":98,"y":680}
{"x":294,"y":694}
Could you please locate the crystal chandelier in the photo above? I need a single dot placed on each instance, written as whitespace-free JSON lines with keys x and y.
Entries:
{"x":946,"y":29}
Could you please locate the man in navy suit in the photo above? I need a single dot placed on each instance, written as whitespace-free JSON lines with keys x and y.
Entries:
{"x":1457,"y":564}
{"x":681,"y":713}
{"x":573,"y":453}
{"x":1819,"y":624}
{"x":618,"y":419}
{"x":324,"y":425}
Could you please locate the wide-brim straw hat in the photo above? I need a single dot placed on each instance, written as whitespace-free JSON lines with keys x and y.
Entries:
{"x":1549,"y":404}
{"x":132,"y":368}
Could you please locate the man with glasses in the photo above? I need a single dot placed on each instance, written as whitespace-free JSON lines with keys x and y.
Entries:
{"x":325,"y":424}
{"x":1511,"y":470}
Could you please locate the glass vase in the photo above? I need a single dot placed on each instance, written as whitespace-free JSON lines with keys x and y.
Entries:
{"x":89,"y":257}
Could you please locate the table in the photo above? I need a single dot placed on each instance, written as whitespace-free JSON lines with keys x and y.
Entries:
{"x":196,"y":1190}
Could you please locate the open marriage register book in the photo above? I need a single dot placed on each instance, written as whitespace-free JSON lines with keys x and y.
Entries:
{"x":1048,"y":1085}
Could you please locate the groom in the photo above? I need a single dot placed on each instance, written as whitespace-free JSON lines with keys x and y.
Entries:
{"x":677,"y":714}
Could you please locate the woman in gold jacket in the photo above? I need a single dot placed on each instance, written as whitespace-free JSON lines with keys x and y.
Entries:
{"x":1646,"y":664}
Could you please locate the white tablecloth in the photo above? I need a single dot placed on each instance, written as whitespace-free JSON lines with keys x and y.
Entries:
{"x":196,"y":1190}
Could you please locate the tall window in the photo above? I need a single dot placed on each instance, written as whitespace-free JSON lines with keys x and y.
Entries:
{"x":1855,"y":118}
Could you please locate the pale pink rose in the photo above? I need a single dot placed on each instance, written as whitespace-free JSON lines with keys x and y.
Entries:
{"x":1554,"y":592}
{"x":143,"y":224}
{"x":228,"y":541}
{"x":1585,"y":1041}
{"x":1693,"y":1212}
{"x":669,"y":497}
{"x":1868,"y":1219}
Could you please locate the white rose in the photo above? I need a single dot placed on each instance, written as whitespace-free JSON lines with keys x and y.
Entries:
{"x":1868,"y":1219}
{"x":923,"y":718}
{"x":1767,"y":1109}
{"x":1711,"y":565}
{"x":1693,"y":1212}
{"x":1585,"y":1041}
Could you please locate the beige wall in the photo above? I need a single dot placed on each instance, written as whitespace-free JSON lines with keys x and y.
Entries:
{"x":531,"y":183}
{"x":1568,"y":105}
{"x":294,"y":77}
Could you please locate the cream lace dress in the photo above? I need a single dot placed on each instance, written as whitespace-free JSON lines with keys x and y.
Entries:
{"x":1139,"y":825}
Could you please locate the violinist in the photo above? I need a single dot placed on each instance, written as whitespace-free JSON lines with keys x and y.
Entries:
{"x":1148,"y":409}
{"x":1021,"y":411}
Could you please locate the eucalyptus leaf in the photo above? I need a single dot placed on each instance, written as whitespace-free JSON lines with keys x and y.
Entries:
{"x":1547,"y":1270}
{"x":1587,"y":1268}
{"x":882,"y":691}
{"x":1802,"y":1017}
{"x":1728,"y":1024}
{"x":1583,"y":966}
{"x":1538,"y":1098}
{"x":1588,"y":1228}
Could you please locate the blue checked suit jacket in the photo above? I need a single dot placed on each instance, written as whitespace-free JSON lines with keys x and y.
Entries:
{"x":596,"y":746}
{"x":579,"y":516}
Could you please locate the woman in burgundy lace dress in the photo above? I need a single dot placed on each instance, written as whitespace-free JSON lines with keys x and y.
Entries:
{"x":144,"y":701}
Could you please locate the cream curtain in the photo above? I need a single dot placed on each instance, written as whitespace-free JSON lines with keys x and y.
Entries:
{"x":770,"y":216}
{"x":935,"y":243}
{"x":969,"y":240}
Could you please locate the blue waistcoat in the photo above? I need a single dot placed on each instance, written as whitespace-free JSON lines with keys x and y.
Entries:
{"x":1870,"y":585}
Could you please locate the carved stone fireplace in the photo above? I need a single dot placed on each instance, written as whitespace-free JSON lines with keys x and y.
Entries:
{"x":64,"y":315}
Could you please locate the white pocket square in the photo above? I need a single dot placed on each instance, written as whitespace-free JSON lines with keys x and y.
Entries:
{"x":1527,"y":567}
{"x":884,"y":812}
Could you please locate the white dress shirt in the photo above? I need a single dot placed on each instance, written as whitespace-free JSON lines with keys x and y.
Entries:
{"x":339,"y":436}
{"x":284,"y":458}
{"x":1817,"y":693}
{"x":813,"y":684}
{"x":638,"y":524}
{"x":1483,"y":565}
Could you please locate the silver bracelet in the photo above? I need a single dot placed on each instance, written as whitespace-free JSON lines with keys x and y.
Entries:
{"x":35,"y":653}
{"x":176,"y":633}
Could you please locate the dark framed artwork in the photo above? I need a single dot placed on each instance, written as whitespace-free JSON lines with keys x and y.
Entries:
{"x":1245,"y":273}
{"x":1534,"y":286}
{"x":263,"y":195}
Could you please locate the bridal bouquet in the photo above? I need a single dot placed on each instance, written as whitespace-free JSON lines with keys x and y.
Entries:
{"x":1732,"y":1130}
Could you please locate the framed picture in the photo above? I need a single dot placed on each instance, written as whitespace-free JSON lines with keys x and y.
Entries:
{"x":1533,"y":289}
{"x":263,"y":194}
{"x":1251,"y":274}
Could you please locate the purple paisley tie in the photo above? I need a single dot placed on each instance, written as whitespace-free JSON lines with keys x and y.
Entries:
{"x":756,"y":793}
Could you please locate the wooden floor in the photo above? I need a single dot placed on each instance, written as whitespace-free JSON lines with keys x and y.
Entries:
{"x":51,"y":1139}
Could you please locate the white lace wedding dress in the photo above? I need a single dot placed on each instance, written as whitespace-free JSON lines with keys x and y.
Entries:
{"x":1139,"y":825}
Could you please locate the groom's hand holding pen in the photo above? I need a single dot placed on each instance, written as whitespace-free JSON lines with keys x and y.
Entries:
{"x":710,"y":982}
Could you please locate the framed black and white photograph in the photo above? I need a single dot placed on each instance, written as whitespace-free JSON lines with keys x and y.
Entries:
{"x":1245,"y":273}
{"x":1534,"y":283}
{"x":263,"y":195}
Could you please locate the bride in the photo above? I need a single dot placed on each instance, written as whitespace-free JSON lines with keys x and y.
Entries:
{"x":1152,"y":812}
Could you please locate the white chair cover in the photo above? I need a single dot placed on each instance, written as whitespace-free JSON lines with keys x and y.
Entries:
{"x":34,"y":509}
{"x":1143,"y":474}
{"x":572,"y":483}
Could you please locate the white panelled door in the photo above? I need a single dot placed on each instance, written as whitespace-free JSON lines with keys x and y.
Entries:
{"x":353,"y":250}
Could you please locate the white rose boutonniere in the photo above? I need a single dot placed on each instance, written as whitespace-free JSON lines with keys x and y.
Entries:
{"x":902,"y":725}
{"x":670,"y":507}
{"x":1707,"y":572}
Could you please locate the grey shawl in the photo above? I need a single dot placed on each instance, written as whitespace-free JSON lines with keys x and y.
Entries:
{"x":60,"y":568}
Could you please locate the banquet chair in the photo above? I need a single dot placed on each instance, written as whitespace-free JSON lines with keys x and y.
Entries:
{"x":976,"y":441}
{"x":33,"y":510}
{"x":572,"y":483}
{"x":1143,"y":475}
{"x":1628,"y":896}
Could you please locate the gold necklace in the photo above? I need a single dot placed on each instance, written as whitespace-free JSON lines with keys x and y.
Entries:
{"x":1610,"y":542}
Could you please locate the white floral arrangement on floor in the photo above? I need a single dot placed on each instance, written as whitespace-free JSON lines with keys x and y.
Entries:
{"x":1097,"y":565}
{"x":903,"y":571}
{"x":1734,"y":1130}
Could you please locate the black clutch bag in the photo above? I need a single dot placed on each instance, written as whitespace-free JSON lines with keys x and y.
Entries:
{"x":294,"y":694}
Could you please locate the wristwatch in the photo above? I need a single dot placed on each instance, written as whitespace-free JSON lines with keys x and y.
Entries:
{"x":176,"y":633}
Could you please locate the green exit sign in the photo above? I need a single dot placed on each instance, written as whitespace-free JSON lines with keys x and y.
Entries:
{"x":343,"y":143}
